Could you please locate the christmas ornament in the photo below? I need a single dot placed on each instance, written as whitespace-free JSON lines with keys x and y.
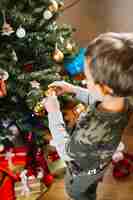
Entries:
{"x":14,"y":55}
{"x":117,"y":156}
{"x":1,"y":148}
{"x":75,"y":65}
{"x":79,"y":108}
{"x":48,"y":180}
{"x":61,"y":5}
{"x":14,"y":129}
{"x":122,"y":168}
{"x":58,"y":56}
{"x":35,"y":84}
{"x":53,"y":6}
{"x":28,"y":67}
{"x":39,"y":109}
{"x":47,"y":14}
{"x":24,"y":180}
{"x":3,"y":74}
{"x":20,"y":32}
{"x":7,"y":29}
{"x":29,"y":137}
{"x":69,"y":47}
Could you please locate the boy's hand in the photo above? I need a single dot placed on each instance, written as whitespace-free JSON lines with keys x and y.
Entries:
{"x":51,"y":104}
{"x":62,"y":87}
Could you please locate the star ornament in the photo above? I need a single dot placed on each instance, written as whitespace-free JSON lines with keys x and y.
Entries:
{"x":35,"y":84}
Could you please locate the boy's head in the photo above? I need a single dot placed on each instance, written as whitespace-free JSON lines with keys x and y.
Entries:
{"x":109,"y":61}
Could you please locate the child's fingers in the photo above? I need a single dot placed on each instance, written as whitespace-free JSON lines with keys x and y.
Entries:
{"x":55,"y":84}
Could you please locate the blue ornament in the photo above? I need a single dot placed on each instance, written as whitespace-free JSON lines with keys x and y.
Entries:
{"x":75,"y":65}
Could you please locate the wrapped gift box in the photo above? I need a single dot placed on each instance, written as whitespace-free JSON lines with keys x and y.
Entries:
{"x":36,"y":189}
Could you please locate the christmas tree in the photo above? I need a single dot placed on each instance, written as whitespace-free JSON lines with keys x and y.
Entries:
{"x":32,"y":49}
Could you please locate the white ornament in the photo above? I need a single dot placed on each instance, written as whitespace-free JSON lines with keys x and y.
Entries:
{"x":35,"y":84}
{"x":24,"y":181}
{"x":84,"y":82}
{"x":14,"y":130}
{"x":14,"y":55}
{"x":47,"y":14}
{"x":20,"y":32}
{"x":40,"y":173}
{"x":3,"y":74}
{"x":117,"y":156}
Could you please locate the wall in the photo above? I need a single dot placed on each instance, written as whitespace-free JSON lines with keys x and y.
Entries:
{"x":91,"y":17}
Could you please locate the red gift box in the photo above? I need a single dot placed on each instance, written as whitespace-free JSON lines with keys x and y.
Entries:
{"x":18,"y":158}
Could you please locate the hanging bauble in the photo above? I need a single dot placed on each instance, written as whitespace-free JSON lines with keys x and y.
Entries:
{"x":69,"y":46}
{"x":75,"y":65}
{"x":53,"y":7}
{"x":3,"y":74}
{"x":79,"y":108}
{"x":29,"y":137}
{"x":7,"y":29}
{"x":14,"y":130}
{"x":1,"y":148}
{"x":58,"y":56}
{"x":39,"y":109}
{"x":20,"y":32}
{"x":47,"y":14}
{"x":28,"y":67}
{"x":14,"y":56}
{"x":48,"y":180}
{"x":61,"y":5}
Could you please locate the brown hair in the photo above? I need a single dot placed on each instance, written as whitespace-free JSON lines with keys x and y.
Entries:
{"x":112,"y":61}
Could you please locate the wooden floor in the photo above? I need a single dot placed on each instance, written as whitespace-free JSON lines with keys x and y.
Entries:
{"x":109,"y":189}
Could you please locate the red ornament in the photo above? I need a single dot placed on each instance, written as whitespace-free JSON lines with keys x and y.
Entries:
{"x":123,"y":167}
{"x":28,"y":67}
{"x":48,"y":179}
{"x":53,"y":156}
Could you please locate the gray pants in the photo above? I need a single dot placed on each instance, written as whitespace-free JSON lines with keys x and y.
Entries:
{"x":83,"y":186}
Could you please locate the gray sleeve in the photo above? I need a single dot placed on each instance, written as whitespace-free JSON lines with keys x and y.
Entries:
{"x":59,"y":134}
{"x":86,"y":96}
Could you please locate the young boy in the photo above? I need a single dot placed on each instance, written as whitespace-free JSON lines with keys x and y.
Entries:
{"x":88,"y":149}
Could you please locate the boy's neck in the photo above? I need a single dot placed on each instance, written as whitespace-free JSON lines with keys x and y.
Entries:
{"x":112,"y":104}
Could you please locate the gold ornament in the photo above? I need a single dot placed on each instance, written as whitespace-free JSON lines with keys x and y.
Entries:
{"x":39,"y":109}
{"x":53,"y":6}
{"x":61,"y":6}
{"x":79,"y":108}
{"x":58,"y":56}
{"x":69,"y":47}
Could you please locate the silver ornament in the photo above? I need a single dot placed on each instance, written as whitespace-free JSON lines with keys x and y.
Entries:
{"x":47,"y":14}
{"x":20,"y":32}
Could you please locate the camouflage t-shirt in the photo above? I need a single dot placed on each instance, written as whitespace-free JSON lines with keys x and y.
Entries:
{"x":93,"y":141}
{"x":95,"y":138}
